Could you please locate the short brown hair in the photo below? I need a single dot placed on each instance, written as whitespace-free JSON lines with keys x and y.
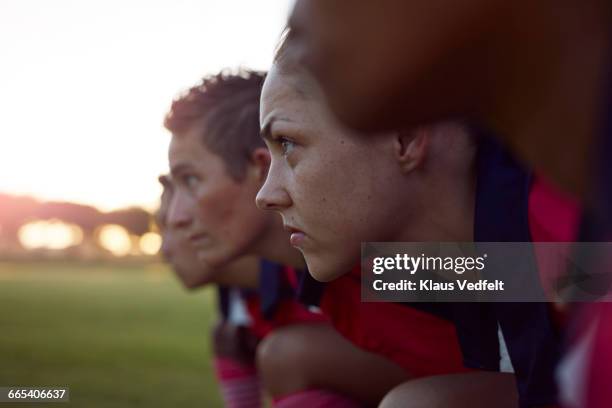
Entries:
{"x":226,"y":105}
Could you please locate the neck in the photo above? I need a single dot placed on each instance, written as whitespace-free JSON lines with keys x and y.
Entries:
{"x":446,"y":212}
{"x":243,"y":273}
{"x":549,"y":87}
{"x":274,"y":245}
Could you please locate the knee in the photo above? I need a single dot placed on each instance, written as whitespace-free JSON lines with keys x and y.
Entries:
{"x":408,"y":395}
{"x":280,"y":361}
{"x":471,"y":390}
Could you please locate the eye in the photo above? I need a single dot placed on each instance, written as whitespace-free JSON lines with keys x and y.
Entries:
{"x":190,"y":180}
{"x":286,"y":145}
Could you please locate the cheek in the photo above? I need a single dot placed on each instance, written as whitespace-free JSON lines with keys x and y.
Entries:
{"x":216,"y":210}
{"x":346,"y":201}
{"x":235,"y":216}
{"x":186,"y":260}
{"x":322,"y":197}
{"x":211,"y":213}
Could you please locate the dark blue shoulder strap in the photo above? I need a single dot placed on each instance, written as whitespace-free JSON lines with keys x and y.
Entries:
{"x":596,"y":223}
{"x":310,"y":291}
{"x":270,"y":287}
{"x":223,"y":301}
{"x":502,"y":204}
{"x":603,"y":195}
{"x":274,"y":286}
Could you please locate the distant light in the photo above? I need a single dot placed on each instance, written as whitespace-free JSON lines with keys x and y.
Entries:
{"x":53,"y":234}
{"x":115,"y":239}
{"x":32,"y":235}
{"x":150,"y":243}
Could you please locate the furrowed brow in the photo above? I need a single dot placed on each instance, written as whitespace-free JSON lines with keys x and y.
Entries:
{"x":266,"y":132}
{"x":179,"y":168}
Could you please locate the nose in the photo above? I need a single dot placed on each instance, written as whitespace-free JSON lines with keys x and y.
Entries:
{"x":167,"y":246}
{"x":272,"y":195}
{"x":179,"y":211}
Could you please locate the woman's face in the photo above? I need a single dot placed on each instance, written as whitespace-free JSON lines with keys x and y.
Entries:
{"x":333,"y":188}
{"x":215,"y":213}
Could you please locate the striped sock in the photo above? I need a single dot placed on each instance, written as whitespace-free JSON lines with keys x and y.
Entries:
{"x":238,"y":383}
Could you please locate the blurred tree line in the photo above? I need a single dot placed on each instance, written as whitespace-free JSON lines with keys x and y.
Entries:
{"x":17,"y":211}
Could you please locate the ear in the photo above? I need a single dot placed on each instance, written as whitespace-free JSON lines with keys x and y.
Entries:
{"x":410,"y":148}
{"x":261,"y":161}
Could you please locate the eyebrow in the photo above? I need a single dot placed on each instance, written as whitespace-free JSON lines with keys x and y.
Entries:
{"x":179,"y":168}
{"x":265,"y":132}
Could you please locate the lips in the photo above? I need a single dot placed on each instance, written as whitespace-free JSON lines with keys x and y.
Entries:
{"x":198,"y":239}
{"x":297,"y":236}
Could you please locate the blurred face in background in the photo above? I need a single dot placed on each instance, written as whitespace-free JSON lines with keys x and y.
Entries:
{"x":183,"y":259}
{"x":175,"y":248}
{"x":332,"y":188}
{"x":214,"y":213}
{"x":386,"y":62}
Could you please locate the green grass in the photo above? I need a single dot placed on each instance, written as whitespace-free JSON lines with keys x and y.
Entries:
{"x":117,"y":335}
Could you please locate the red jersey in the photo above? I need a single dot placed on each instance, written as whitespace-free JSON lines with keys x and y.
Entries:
{"x":419,"y":342}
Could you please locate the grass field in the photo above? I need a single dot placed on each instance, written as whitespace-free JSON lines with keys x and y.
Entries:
{"x":118,"y":336}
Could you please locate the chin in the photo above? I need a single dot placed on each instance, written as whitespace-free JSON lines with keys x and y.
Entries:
{"x":212,"y":260}
{"x":322,"y":272}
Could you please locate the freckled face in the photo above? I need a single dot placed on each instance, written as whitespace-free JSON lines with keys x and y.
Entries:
{"x":183,"y":259}
{"x":215,"y":213}
{"x":333,"y":188}
{"x":175,"y":248}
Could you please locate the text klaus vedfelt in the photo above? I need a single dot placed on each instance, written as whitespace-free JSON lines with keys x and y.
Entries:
{"x":412,"y":264}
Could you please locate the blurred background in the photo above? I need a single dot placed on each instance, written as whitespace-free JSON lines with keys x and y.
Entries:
{"x":85,"y":301}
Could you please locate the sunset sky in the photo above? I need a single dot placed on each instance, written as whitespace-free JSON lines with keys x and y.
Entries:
{"x":84,"y":85}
